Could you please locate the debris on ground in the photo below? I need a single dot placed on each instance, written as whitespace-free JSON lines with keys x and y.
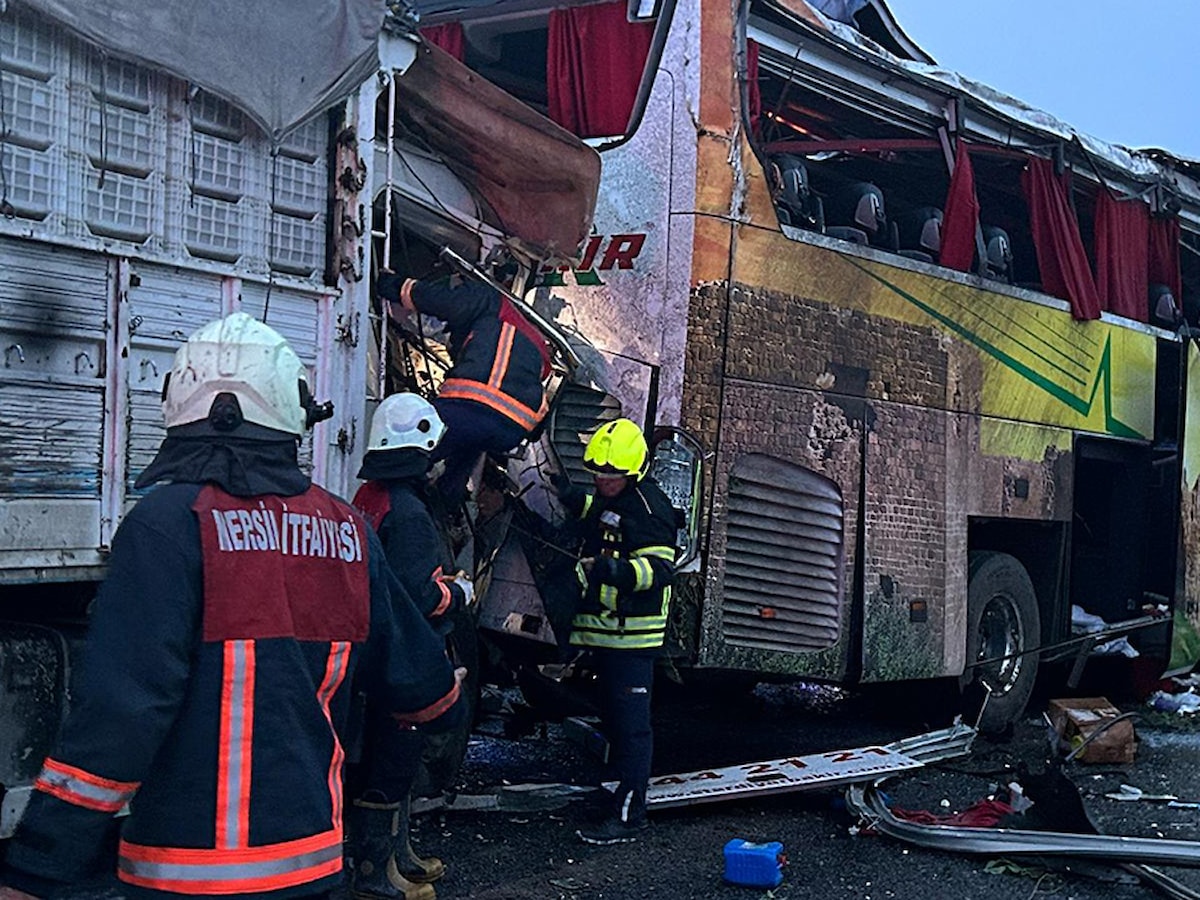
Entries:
{"x":1093,"y":729}
{"x":1185,"y":703}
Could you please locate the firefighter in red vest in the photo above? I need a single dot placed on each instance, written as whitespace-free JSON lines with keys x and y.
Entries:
{"x":242,"y":608}
{"x":396,"y":501}
{"x":493,"y":396}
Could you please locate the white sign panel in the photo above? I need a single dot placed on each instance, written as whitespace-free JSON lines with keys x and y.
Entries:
{"x":777,"y":776}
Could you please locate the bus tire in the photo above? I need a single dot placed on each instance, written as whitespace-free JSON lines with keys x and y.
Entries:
{"x":1002,"y":620}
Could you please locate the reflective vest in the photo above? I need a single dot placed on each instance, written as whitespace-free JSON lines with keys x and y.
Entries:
{"x":499,"y":358}
{"x":215,"y":693}
{"x":636,"y":530}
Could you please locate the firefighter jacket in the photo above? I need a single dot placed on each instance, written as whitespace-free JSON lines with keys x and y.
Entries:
{"x":415,"y":549}
{"x":499,"y":359}
{"x":224,"y":647}
{"x":627,"y":595}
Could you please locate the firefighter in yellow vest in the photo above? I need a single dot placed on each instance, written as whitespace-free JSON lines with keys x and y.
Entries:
{"x":629,"y":529}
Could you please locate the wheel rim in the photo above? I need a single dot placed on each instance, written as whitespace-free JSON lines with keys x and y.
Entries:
{"x":999,"y":639}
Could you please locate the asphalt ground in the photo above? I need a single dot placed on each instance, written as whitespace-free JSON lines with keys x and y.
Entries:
{"x":519,"y":854}
{"x":531,"y":852}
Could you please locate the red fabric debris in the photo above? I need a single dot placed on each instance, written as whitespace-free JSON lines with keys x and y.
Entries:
{"x":1163,"y":263}
{"x":753,"y":94}
{"x":1122,"y":248}
{"x":984,"y":814}
{"x":594,"y":63}
{"x":449,"y":37}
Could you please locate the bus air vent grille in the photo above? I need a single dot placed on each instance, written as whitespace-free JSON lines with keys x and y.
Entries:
{"x":783,"y":557}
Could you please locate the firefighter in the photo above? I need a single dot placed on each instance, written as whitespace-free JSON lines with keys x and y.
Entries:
{"x":242,"y":607}
{"x":629,"y":529}
{"x":493,"y":397}
{"x":395,"y":501}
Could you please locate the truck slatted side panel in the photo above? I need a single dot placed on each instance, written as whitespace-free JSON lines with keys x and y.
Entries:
{"x":783,"y":558}
{"x":52,"y":393}
{"x":166,"y":304}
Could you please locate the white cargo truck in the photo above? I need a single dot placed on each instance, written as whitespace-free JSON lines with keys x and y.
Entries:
{"x":142,"y":200}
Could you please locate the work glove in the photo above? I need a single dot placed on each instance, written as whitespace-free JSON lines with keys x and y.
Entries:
{"x":468,"y":589}
{"x":568,"y":494}
{"x":560,"y":483}
{"x":387,"y":286}
{"x":463,"y":580}
{"x":602,"y":571}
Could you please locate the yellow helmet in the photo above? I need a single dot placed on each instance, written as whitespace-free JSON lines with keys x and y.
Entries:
{"x":618,"y":448}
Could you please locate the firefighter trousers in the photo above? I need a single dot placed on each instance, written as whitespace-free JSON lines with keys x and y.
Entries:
{"x":625,"y":679}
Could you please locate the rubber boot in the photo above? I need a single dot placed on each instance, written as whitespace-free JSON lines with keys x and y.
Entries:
{"x":418,"y":869}
{"x":375,"y":839}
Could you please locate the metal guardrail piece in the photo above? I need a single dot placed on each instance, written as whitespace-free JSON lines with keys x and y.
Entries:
{"x":1165,"y":884}
{"x":936,"y":746}
{"x":866,"y":802}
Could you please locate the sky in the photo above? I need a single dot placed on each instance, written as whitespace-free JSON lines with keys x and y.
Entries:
{"x":1123,"y":71}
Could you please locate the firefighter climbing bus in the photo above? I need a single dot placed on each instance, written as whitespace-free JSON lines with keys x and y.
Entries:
{"x":916,"y":357}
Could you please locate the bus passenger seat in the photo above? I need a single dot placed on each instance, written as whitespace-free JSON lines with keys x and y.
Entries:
{"x":998,"y":256}
{"x":919,"y":233}
{"x":856,"y":213}
{"x":795,"y":201}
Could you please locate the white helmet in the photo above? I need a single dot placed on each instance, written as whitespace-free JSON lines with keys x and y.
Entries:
{"x":405,"y":420}
{"x":241,"y":356}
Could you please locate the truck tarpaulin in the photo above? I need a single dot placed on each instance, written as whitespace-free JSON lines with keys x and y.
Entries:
{"x":280,"y":63}
{"x":537,"y":179}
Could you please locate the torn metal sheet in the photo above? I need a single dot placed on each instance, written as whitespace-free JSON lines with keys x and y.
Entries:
{"x":936,"y":746}
{"x":779,"y":776}
{"x":509,"y":798}
{"x":538,"y":181}
{"x":864,"y":800}
{"x":816,"y":771}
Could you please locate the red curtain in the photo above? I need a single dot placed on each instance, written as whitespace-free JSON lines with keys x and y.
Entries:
{"x":448,"y":37}
{"x":1122,"y":251}
{"x":753,"y":95}
{"x":961,"y":217}
{"x":595,"y":57}
{"x":1163,"y":262}
{"x":1056,"y":240}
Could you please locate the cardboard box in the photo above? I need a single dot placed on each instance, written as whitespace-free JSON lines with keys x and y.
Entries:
{"x":1077,"y":719}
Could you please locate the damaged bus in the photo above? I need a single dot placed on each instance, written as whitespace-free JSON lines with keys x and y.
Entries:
{"x":918,"y":360}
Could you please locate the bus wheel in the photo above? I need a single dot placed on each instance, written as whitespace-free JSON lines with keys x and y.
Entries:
{"x":1002,"y":625}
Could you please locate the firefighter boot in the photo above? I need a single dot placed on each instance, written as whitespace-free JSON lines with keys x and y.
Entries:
{"x":418,"y":869}
{"x":376,"y":839}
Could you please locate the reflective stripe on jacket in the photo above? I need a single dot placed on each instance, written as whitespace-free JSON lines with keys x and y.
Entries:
{"x":637,"y":531}
{"x":499,"y":359}
{"x":215,"y":695}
